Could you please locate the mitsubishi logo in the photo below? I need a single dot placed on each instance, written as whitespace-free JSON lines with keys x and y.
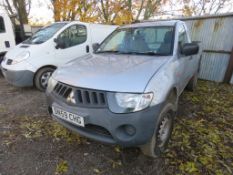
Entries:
{"x":71,"y":98}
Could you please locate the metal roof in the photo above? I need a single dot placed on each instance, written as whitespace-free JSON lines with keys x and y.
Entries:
{"x":152,"y":23}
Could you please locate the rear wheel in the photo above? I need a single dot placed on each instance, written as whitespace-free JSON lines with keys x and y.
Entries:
{"x":162,"y":133}
{"x":42,"y":77}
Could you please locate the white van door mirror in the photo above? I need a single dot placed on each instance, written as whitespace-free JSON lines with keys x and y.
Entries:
{"x":60,"y":44}
{"x":95,"y":46}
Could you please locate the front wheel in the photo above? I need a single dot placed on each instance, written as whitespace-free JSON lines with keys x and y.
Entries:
{"x":42,"y":77}
{"x":162,"y":133}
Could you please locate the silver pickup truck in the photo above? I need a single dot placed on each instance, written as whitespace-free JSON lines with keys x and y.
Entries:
{"x":127,"y":92}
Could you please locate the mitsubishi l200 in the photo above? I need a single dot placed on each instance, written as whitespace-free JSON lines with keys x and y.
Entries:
{"x":127,"y":92}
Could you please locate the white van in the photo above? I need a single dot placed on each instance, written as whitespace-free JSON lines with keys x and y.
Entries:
{"x":7,"y":37}
{"x":33,"y":61}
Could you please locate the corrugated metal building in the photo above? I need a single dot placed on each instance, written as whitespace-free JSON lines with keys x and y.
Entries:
{"x":216,"y":35}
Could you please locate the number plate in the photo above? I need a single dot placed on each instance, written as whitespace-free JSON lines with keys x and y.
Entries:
{"x":70,"y":117}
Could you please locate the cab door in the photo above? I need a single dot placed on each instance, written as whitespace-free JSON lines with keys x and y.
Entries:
{"x":185,"y":61}
{"x":6,"y":34}
{"x":75,"y":43}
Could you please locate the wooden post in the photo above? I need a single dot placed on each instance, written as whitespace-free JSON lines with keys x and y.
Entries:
{"x":229,"y":70}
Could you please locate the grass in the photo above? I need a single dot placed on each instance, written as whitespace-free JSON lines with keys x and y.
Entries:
{"x":202,"y":141}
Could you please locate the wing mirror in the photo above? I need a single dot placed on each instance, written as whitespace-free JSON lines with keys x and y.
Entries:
{"x":95,"y":46}
{"x":190,"y":48}
{"x":60,"y":44}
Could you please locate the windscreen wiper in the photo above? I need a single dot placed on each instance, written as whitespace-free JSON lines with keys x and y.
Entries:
{"x":108,"y":51}
{"x":154,"y":53}
{"x":142,"y":53}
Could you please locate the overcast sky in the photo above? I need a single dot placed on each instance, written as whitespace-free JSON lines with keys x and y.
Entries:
{"x":41,"y":11}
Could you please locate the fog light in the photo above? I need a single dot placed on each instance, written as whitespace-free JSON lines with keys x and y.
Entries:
{"x":130,"y":130}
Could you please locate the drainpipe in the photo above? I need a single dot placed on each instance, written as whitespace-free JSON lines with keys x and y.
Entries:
{"x":229,"y":70}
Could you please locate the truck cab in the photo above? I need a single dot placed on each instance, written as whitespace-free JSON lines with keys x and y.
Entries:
{"x":127,"y":92}
{"x":7,"y":37}
{"x":33,"y":61}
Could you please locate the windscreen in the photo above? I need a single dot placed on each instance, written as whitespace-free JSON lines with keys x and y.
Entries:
{"x":44,"y":34}
{"x":143,"y":40}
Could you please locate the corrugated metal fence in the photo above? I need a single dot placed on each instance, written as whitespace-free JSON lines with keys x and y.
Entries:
{"x":216,"y":36}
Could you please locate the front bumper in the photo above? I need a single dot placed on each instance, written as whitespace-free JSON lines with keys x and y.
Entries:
{"x":131,"y":129}
{"x":22,"y":78}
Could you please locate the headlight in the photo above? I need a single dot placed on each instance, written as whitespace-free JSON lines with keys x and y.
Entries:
{"x":21,"y":57}
{"x":127,"y":102}
{"x":51,"y":84}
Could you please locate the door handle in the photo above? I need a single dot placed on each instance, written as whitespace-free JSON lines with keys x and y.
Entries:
{"x":87,"y":49}
{"x":7,"y":44}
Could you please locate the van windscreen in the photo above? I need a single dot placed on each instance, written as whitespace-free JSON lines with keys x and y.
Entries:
{"x":44,"y":34}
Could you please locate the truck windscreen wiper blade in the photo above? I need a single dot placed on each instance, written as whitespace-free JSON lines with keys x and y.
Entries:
{"x":132,"y":52}
{"x":154,"y":53}
{"x":142,"y":53}
{"x":108,"y":51}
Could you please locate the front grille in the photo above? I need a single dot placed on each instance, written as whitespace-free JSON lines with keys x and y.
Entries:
{"x":9,"y":61}
{"x":80,"y":96}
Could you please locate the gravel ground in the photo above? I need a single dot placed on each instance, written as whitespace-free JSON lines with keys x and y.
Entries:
{"x":32,"y":143}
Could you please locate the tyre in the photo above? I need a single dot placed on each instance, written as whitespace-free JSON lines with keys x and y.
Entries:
{"x":42,"y":77}
{"x":162,"y":133}
{"x":192,"y":84}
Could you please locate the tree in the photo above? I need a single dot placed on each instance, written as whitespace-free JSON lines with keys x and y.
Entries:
{"x":19,"y":7}
{"x":204,"y":7}
{"x":105,"y":11}
{"x":115,"y":11}
{"x":127,"y":11}
{"x":68,"y":10}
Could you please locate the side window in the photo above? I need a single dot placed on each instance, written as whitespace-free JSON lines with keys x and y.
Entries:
{"x":115,"y":42}
{"x":182,"y":35}
{"x":74,"y":35}
{"x":2,"y":25}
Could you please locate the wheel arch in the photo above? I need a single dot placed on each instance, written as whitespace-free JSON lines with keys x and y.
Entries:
{"x":172,"y":97}
{"x":46,"y":66}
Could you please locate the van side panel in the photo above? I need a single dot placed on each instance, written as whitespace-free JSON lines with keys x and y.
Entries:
{"x":7,"y":37}
{"x":100,"y":32}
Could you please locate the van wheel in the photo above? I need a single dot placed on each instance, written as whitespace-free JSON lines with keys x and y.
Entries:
{"x":42,"y":77}
{"x":162,"y":134}
{"x":192,"y":84}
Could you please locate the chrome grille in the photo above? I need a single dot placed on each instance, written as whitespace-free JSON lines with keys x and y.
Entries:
{"x":80,"y":96}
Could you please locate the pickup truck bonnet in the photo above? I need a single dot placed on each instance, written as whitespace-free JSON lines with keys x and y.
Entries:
{"x":111,"y":72}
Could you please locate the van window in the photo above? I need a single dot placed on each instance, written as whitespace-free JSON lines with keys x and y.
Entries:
{"x":2,"y":25}
{"x":74,"y":35}
{"x":45,"y":33}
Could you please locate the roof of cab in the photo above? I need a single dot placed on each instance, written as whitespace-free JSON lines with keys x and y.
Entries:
{"x":152,"y":23}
